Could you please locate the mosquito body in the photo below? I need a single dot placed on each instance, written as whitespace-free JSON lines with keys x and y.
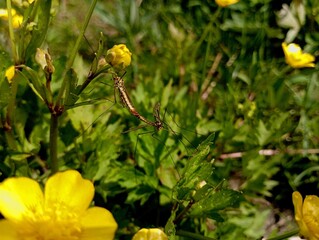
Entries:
{"x":119,"y":84}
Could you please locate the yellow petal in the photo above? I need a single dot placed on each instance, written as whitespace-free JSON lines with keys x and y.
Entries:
{"x":311,"y":215}
{"x":17,"y":21}
{"x":4,"y":13}
{"x":7,"y":230}
{"x":98,"y":224}
{"x":299,"y":215}
{"x":297,"y":201}
{"x":20,"y":197}
{"x":70,"y":190}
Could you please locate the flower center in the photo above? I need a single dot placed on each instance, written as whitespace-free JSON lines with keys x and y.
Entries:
{"x":57,"y":222}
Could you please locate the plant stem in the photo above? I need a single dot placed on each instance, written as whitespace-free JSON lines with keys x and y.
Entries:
{"x":54,"y":143}
{"x":11,"y":33}
{"x":185,"y":210}
{"x":285,"y":235}
{"x":192,"y":235}
{"x":74,"y":51}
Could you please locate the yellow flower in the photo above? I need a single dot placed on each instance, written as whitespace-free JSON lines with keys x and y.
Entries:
{"x":16,"y":18}
{"x":307,"y":215}
{"x":150,"y":234}
{"x":61,"y":212}
{"x":295,"y":57}
{"x":225,"y":3}
{"x":10,"y":73}
{"x":119,"y":56}
{"x":4,"y":13}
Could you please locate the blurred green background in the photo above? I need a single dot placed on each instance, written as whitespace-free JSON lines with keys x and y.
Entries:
{"x":213,"y":70}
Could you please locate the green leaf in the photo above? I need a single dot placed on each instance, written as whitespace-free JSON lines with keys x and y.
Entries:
{"x":36,"y":84}
{"x":5,"y":92}
{"x":197,"y":170}
{"x":263,"y":134}
{"x":215,"y":201}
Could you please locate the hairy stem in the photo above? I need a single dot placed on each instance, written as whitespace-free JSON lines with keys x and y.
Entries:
{"x":54,"y":143}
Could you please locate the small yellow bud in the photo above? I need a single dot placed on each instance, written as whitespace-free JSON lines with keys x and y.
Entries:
{"x":225,"y":3}
{"x":119,"y":56}
{"x":150,"y":234}
{"x":10,"y":73}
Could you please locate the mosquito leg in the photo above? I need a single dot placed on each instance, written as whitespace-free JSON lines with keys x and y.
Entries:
{"x":137,"y":140}
{"x":168,"y":151}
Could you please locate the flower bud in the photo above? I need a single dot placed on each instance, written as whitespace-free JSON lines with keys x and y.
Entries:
{"x":119,"y":56}
{"x":150,"y":234}
{"x":43,"y":58}
{"x":225,"y":3}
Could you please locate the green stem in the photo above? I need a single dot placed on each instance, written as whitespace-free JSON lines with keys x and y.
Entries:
{"x":185,"y":210}
{"x":192,"y":235}
{"x":10,"y":114}
{"x":54,"y":143}
{"x":74,"y":51}
{"x":285,"y":235}
{"x":11,"y":32}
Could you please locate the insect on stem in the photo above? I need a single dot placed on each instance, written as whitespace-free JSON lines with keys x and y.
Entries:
{"x":119,"y":84}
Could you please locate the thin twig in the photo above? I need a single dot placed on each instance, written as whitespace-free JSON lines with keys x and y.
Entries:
{"x":209,"y":85}
{"x":270,"y":152}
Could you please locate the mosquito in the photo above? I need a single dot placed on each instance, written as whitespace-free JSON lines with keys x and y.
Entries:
{"x":119,"y":84}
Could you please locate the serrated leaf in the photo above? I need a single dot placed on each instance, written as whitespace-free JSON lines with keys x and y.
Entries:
{"x":215,"y":201}
{"x":198,"y":169}
{"x":263,"y":134}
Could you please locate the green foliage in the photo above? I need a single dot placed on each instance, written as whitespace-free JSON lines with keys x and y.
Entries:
{"x":240,"y":125}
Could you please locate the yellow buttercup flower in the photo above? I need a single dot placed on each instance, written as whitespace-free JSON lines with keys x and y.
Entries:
{"x":61,"y":212}
{"x":295,"y":57}
{"x":225,"y":3}
{"x":150,"y":234}
{"x":307,"y":215}
{"x":119,"y":56}
{"x":16,"y":18}
{"x":10,"y":73}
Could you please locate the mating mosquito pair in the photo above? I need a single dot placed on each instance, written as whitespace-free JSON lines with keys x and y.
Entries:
{"x":119,"y":84}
